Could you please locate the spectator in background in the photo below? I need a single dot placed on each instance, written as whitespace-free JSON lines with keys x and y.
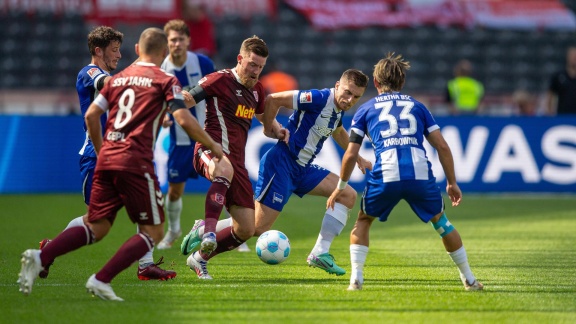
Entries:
{"x":561,"y":96}
{"x":464,"y":93}
{"x":278,"y":81}
{"x":202,"y":38}
{"x":524,"y":103}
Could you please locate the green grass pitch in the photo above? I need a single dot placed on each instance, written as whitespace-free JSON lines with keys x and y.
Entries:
{"x":523,"y":248}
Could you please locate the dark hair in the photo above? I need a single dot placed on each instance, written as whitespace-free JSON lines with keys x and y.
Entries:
{"x":102,"y":36}
{"x":390,"y":72}
{"x":358,"y":77}
{"x":254,"y":45}
{"x":177,"y":25}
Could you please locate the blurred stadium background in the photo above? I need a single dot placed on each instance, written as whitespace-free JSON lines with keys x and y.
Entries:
{"x":513,"y":44}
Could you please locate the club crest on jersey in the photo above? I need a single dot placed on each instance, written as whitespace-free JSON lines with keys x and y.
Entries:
{"x":93,"y":72}
{"x":239,"y":93}
{"x":177,"y":92}
{"x":255,"y":95}
{"x":306,"y":97}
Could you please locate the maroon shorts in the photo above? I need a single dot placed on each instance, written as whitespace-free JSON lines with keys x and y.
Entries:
{"x":139,"y":193}
{"x":240,"y":192}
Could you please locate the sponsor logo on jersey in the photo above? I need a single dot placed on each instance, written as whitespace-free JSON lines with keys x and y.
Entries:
{"x":239,"y":93}
{"x":245,"y":112}
{"x":306,"y":97}
{"x":255,"y":95}
{"x":94,"y":72}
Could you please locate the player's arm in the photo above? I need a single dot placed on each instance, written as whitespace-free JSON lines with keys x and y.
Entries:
{"x":341,"y":137}
{"x":348,"y":161}
{"x":193,"y":96}
{"x":101,"y":81}
{"x":437,"y":141}
{"x":185,"y":119}
{"x":272,"y":104}
{"x":92,"y":119}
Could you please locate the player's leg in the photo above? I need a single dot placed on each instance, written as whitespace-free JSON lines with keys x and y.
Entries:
{"x":221,"y":174}
{"x":455,"y":249}
{"x":427,"y":202}
{"x":87,"y":166}
{"x":377,"y":202}
{"x":265,"y":218}
{"x":102,"y":211}
{"x":333,"y":221}
{"x":241,"y":206}
{"x":359,"y":243}
{"x":173,"y":212}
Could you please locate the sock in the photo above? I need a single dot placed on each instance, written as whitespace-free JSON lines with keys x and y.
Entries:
{"x":332,"y":225}
{"x":67,"y":241}
{"x":358,"y":255}
{"x":78,"y":221}
{"x":222,"y":224}
{"x":147,"y":259}
{"x":129,"y":252}
{"x":173,"y":211}
{"x":215,"y":200}
{"x":226,"y":240}
{"x":461,"y":260}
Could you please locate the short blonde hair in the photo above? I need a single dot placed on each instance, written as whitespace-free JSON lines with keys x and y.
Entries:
{"x":390,"y":72}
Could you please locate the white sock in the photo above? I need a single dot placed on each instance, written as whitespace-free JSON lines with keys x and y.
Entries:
{"x":78,"y":221}
{"x":358,"y":255}
{"x":461,"y":260}
{"x":173,"y":210}
{"x":222,"y":224}
{"x":332,"y":225}
{"x":147,"y":259}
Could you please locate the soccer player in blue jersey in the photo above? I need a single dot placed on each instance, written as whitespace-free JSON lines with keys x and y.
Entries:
{"x":397,"y":124}
{"x":288,"y":167}
{"x":104,"y":45}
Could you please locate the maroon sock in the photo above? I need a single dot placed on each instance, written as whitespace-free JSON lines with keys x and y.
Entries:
{"x":215,"y":200}
{"x":67,"y":241}
{"x":131,"y":251}
{"x":227,"y":240}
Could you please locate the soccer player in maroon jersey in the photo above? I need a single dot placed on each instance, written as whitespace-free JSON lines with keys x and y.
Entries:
{"x":233,"y":97}
{"x":137,"y":99}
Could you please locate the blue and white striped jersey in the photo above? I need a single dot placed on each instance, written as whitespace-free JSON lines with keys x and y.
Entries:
{"x":86,"y":89}
{"x":195,"y":68}
{"x":396,"y":124}
{"x":314,"y":120}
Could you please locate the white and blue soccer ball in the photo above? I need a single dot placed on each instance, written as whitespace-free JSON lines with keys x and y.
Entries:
{"x":273,"y":247}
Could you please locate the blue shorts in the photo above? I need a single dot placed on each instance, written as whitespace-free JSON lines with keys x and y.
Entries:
{"x":279,"y":176}
{"x":87,"y":166}
{"x":180,"y":165}
{"x":423,"y":196}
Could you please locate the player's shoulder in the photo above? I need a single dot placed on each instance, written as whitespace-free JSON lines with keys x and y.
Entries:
{"x":90,"y":71}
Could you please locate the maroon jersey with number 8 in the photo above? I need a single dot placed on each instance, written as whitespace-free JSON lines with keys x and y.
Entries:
{"x":137,"y":99}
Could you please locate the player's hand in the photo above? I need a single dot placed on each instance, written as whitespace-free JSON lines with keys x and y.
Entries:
{"x":188,"y":99}
{"x":363,"y":164}
{"x":454,"y":193}
{"x":332,"y":199}
{"x":216,"y":149}
{"x":167,"y":122}
{"x":283,"y":135}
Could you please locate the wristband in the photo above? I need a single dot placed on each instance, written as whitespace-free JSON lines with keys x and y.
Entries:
{"x":342,"y":184}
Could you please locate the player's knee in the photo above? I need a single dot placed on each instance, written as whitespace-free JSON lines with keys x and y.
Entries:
{"x":443,"y":226}
{"x":348,"y":197}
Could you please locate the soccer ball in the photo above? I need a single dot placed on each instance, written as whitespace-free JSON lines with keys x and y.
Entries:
{"x":273,"y":247}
